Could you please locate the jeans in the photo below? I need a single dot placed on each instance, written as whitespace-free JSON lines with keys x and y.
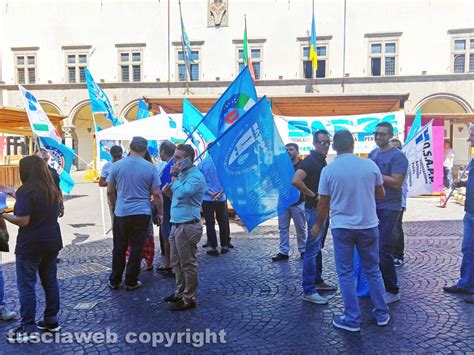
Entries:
{"x":183,"y":245}
{"x":133,"y":230}
{"x":213,"y":210}
{"x":2,"y":287}
{"x":366,"y":241}
{"x":448,"y":180}
{"x":297,"y":213}
{"x":387,"y":220}
{"x":399,"y":238}
{"x":26,"y":269}
{"x":311,"y":271}
{"x":466,"y":282}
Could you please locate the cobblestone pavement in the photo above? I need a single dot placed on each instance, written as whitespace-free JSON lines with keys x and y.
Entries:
{"x":258,"y":303}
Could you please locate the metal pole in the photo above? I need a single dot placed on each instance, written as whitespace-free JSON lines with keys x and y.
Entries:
{"x":344,"y":48}
{"x":169,"y":48}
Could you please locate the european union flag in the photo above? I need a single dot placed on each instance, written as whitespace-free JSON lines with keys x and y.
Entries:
{"x":61,"y":160}
{"x":99,"y":101}
{"x":254,"y":167}
{"x":199,"y":137}
{"x":239,"y":97}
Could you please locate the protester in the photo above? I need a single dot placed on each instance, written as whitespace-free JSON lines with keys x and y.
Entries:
{"x":214,"y":207}
{"x":448,"y":165}
{"x":116,"y":152}
{"x":148,"y":252}
{"x":39,"y":241}
{"x":394,"y":166}
{"x":167,"y":150}
{"x":306,"y":179}
{"x":398,"y":235}
{"x":295,"y":212}
{"x":351,"y":199}
{"x":130,"y":184}
{"x":187,"y":190}
{"x":465,"y":284}
{"x":44,"y":154}
{"x":5,"y":313}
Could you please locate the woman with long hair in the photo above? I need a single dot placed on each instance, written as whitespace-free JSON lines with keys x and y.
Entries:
{"x":38,"y":243}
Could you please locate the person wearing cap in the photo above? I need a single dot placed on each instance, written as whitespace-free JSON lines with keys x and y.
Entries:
{"x":116,"y":152}
{"x":187,"y":189}
{"x":130,"y":184}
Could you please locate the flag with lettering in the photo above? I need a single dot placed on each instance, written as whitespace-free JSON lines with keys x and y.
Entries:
{"x":254,"y":167}
{"x":238,"y":98}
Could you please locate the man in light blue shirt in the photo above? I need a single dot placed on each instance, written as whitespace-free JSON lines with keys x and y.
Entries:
{"x":186,"y":190}
{"x":131,"y":183}
{"x":214,"y":206}
{"x":349,"y":187}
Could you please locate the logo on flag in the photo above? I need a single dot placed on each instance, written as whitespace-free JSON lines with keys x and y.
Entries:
{"x":233,"y":108}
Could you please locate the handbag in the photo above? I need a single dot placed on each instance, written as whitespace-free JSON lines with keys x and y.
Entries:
{"x":3,"y":243}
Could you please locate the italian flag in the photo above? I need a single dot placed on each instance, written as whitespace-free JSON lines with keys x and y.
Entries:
{"x":247,"y":56}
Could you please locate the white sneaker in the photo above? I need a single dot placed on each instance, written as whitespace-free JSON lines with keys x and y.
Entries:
{"x":391,"y":297}
{"x":384,"y":322}
{"x":6,"y":314}
{"x":315,"y":298}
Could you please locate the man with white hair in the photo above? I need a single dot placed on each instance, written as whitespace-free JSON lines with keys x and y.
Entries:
{"x":465,"y":284}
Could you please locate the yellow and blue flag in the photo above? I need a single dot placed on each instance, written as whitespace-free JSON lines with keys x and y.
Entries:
{"x":313,"y":50}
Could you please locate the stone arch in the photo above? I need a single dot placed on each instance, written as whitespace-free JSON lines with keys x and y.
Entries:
{"x":50,"y":107}
{"x":443,"y":103}
{"x":129,"y":111}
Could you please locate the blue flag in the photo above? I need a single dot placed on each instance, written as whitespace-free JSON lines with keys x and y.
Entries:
{"x":99,"y":101}
{"x":415,"y":127}
{"x":254,"y":167}
{"x":61,"y":160}
{"x":239,"y":97}
{"x":199,"y":137}
{"x":142,"y":110}
{"x":104,"y":146}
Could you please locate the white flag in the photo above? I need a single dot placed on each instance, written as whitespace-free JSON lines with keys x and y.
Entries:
{"x":39,"y":121}
{"x":419,"y":152}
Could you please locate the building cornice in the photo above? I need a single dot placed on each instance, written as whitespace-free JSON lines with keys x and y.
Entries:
{"x":130,"y":45}
{"x":383,"y":34}
{"x":318,"y":38}
{"x":460,"y":31}
{"x":192,"y":43}
{"x":259,"y":83}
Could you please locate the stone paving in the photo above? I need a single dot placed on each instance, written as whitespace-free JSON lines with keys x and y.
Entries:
{"x":256,"y":302}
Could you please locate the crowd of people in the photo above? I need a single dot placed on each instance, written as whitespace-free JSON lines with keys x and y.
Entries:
{"x":361,"y":200}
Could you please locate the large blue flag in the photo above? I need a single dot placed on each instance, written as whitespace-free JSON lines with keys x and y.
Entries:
{"x":254,"y":167}
{"x":61,"y":160}
{"x":99,"y":101}
{"x":239,"y":97}
{"x":199,"y":137}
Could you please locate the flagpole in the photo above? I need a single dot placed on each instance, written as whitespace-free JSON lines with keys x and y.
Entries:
{"x":313,"y":72}
{"x":187,"y":90}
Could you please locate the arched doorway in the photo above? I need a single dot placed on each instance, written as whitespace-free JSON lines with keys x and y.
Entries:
{"x":455,"y":130}
{"x":83,"y":122}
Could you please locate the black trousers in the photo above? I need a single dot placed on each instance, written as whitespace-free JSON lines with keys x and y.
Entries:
{"x":216,"y":210}
{"x":133,"y":229}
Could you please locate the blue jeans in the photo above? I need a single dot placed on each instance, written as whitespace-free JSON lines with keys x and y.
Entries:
{"x":366,"y":241}
{"x":26,"y":269}
{"x":466,"y":282}
{"x":297,"y":213}
{"x":387,"y":221}
{"x":311,"y":272}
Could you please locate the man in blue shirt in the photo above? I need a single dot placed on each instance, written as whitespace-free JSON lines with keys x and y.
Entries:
{"x":186,"y":190}
{"x":167,"y":150}
{"x":394,"y":166}
{"x":214,"y":206}
{"x":130,"y":185}
{"x":116,"y":152}
{"x":349,"y":187}
{"x":465,"y":285}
